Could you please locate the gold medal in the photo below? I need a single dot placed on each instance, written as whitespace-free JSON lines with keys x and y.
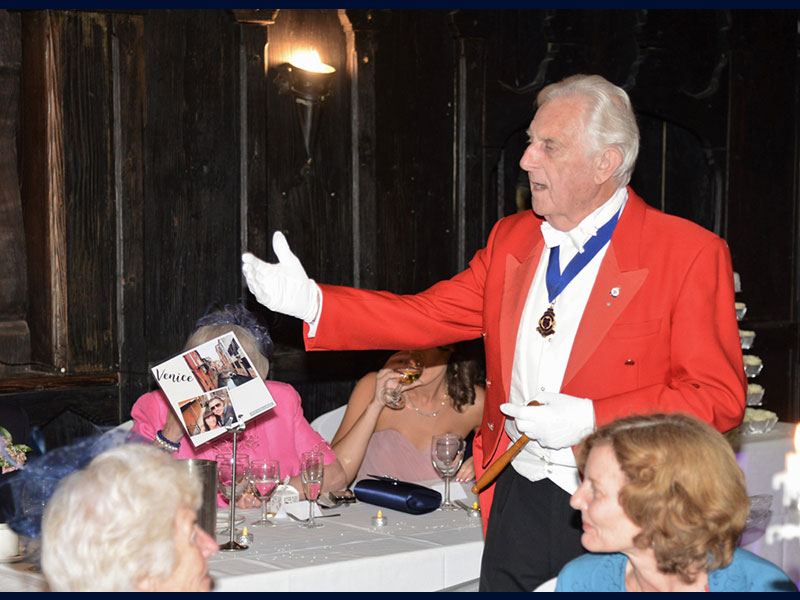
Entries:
{"x":547,"y":322}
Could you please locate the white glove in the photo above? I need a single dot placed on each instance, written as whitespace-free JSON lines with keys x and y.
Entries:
{"x":284,"y":286}
{"x":561,"y":422}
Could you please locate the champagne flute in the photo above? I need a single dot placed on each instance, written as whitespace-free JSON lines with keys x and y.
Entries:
{"x":409,"y":373}
{"x":447,"y":454}
{"x":265,"y":475}
{"x":312,"y":468}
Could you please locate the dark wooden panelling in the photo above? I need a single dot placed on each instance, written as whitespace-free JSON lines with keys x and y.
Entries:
{"x":192,"y":196}
{"x":325,"y":379}
{"x":68,"y":413}
{"x":15,"y":344}
{"x":361,"y":29}
{"x":85,"y":73}
{"x":253,"y":90}
{"x":648,"y":177}
{"x":762,"y":216}
{"x":689,"y":178}
{"x":473,"y":222}
{"x":313,"y":211}
{"x":414,"y":97}
{"x":679,"y":70}
{"x":40,"y":171}
{"x":128,"y":77}
{"x":761,"y":201}
{"x":13,"y":272}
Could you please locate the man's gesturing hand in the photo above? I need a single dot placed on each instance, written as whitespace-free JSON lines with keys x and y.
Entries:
{"x":284,"y":286}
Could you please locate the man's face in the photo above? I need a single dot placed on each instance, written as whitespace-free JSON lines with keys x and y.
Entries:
{"x":564,"y":182}
{"x":192,"y":547}
{"x":216,"y":407}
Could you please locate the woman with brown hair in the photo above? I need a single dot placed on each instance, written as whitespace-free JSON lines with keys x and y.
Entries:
{"x":663,"y":503}
{"x":376,"y":439}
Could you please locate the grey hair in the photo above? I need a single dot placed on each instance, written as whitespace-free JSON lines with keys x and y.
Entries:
{"x":610,"y":120}
{"x":111,"y":524}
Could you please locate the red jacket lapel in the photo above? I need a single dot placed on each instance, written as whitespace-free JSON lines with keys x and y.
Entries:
{"x":617,"y":282}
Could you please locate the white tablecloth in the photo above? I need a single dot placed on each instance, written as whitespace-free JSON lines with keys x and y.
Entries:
{"x":424,"y":552}
{"x":411,"y":553}
{"x":761,"y":456}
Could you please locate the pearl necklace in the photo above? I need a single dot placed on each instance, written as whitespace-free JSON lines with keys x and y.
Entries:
{"x":433,"y":414}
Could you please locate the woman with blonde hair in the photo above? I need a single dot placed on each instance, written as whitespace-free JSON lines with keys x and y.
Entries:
{"x":663,"y":503}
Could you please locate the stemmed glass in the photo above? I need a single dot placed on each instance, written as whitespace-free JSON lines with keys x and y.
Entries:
{"x":447,"y":454}
{"x":312,"y":469}
{"x":409,"y":373}
{"x":227,"y":470}
{"x":265,"y":475}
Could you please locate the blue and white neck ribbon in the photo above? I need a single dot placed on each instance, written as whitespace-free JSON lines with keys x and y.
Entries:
{"x":557,"y":281}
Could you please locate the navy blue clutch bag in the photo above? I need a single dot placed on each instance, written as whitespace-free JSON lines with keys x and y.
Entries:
{"x":398,"y":495}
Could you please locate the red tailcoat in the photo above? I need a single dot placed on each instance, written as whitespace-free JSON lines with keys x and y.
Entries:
{"x":667,"y":341}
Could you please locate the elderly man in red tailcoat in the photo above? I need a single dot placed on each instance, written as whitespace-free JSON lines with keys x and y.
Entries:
{"x":594,"y":304}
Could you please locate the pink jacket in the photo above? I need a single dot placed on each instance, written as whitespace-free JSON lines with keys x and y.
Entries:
{"x":281,"y":433}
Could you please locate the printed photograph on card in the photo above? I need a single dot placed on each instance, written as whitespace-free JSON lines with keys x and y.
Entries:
{"x":213,"y":385}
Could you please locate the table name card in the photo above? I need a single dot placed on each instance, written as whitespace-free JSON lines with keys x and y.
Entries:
{"x":212,"y":384}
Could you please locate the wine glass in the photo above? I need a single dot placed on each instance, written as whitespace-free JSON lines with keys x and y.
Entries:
{"x":227,"y":470}
{"x":265,"y":475}
{"x":312,"y":468}
{"x":409,"y":373}
{"x":447,"y":454}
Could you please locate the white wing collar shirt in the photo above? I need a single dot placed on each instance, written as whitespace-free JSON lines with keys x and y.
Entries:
{"x":540,"y":362}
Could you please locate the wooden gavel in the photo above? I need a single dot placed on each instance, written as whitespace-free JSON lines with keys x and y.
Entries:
{"x":500,"y":464}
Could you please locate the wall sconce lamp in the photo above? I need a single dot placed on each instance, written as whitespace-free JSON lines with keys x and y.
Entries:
{"x":309,"y":81}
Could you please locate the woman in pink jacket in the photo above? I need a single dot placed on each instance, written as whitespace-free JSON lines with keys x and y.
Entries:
{"x":281,"y":433}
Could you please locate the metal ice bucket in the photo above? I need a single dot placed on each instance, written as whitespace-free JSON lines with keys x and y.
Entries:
{"x":206,"y":471}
